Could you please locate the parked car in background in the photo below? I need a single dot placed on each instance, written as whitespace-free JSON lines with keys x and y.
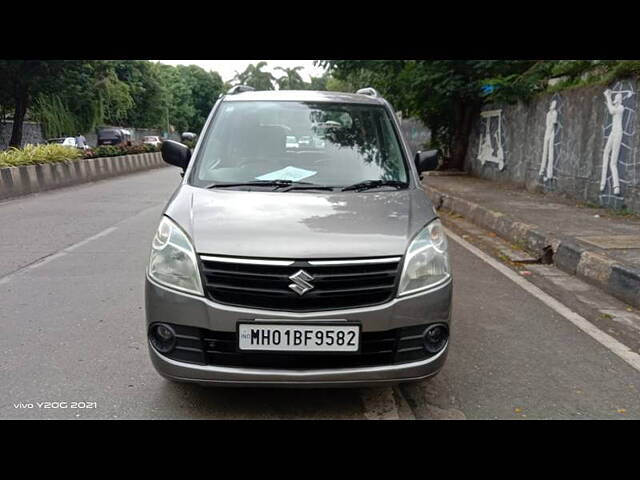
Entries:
{"x":152,"y":140}
{"x":67,"y":142}
{"x":188,"y":137}
{"x":114,"y":136}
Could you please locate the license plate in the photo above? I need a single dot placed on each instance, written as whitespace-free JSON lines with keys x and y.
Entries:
{"x":298,"y":338}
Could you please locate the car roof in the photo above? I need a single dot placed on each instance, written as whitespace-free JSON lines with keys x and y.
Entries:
{"x":303,"y":96}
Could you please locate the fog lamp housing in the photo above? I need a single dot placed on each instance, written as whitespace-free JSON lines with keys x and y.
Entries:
{"x":435,"y":337}
{"x":162,"y":337}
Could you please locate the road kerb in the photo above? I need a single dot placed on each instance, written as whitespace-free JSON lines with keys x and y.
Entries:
{"x":621,"y":281}
{"x":27,"y":179}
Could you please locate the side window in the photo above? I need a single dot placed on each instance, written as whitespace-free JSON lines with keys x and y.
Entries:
{"x":394,"y":162}
{"x":222,"y":136}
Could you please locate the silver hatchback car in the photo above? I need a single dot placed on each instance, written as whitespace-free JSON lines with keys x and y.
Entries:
{"x":299,"y":248}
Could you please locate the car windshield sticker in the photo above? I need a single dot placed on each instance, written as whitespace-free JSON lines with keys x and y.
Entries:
{"x":289,"y":173}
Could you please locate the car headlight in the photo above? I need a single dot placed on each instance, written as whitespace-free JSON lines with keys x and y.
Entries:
{"x":173,"y":260}
{"x":426,"y":263}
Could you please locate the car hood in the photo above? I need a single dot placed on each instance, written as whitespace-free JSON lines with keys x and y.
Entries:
{"x":300,"y":225}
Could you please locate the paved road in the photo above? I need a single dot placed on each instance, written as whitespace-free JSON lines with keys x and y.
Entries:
{"x":72,"y":330}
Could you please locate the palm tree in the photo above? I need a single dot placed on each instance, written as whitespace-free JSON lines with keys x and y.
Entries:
{"x":291,"y":79}
{"x":253,"y":76}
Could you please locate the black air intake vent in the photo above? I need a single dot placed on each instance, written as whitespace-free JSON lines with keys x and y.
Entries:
{"x":265,"y":284}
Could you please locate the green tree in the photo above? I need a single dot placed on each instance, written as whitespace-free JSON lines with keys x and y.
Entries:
{"x":205,"y":88}
{"x":21,"y":82}
{"x":87,"y":93}
{"x":180,"y":109}
{"x":191,"y":93}
{"x":318,"y":83}
{"x":445,"y":94}
{"x":54,"y":116}
{"x":253,"y":76}
{"x":335,"y":85}
{"x":291,"y":80}
{"x":74,"y":96}
{"x":147,"y":91}
{"x":113,"y":95}
{"x":77,"y":94}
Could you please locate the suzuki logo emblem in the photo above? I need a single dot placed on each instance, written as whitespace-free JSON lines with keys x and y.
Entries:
{"x":301,"y":283}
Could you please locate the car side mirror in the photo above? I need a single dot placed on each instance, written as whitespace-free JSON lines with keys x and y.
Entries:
{"x":175,"y":153}
{"x":426,"y":161}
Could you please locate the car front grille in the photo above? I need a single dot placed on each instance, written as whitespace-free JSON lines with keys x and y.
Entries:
{"x":208,"y":347}
{"x":265,"y":284}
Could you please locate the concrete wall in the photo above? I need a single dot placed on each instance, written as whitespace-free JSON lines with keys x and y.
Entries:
{"x":31,"y":133}
{"x":583,"y":127}
{"x":16,"y":181}
{"x":415,"y":133}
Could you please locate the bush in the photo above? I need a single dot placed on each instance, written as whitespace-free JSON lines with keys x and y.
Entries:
{"x":623,"y":69}
{"x":151,"y":148}
{"x":103,"y":151}
{"x":34,"y":154}
{"x":593,"y":72}
{"x":52,"y":153}
{"x":117,"y":150}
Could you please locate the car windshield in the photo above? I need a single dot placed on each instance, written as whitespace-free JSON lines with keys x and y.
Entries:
{"x":333,"y":144}
{"x":109,"y":134}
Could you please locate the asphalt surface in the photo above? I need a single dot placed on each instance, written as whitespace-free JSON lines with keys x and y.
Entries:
{"x":72,"y":330}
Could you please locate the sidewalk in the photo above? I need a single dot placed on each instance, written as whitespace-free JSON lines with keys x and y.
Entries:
{"x":595,"y":244}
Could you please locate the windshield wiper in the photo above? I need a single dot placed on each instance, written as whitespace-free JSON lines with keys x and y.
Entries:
{"x":367,"y":184}
{"x":311,"y":186}
{"x":259,"y":183}
{"x":286,"y":185}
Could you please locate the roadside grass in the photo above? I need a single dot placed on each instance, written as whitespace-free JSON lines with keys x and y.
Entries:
{"x":623,"y":212}
{"x":35,"y":154}
{"x":55,"y":153}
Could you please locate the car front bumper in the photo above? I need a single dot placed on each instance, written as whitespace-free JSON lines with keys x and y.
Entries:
{"x":169,"y":306}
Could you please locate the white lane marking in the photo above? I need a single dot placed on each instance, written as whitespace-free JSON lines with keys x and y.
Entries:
{"x":104,"y":232}
{"x":616,"y":347}
{"x":60,"y":253}
{"x":66,"y":250}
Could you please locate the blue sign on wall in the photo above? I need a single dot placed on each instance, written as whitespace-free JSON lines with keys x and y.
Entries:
{"x":488,"y":88}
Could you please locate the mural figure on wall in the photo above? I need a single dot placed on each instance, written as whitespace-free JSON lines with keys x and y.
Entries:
{"x":491,"y":148}
{"x":614,"y":142}
{"x":546,"y":167}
